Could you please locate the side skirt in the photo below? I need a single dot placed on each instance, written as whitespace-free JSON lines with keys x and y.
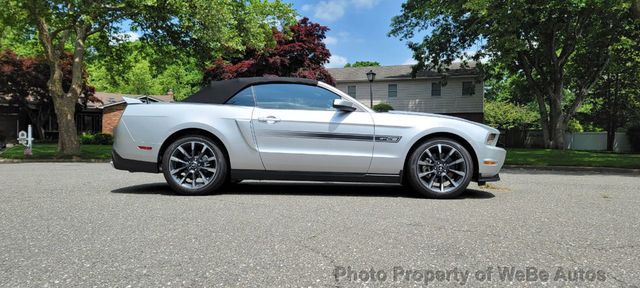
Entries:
{"x":237,"y":174}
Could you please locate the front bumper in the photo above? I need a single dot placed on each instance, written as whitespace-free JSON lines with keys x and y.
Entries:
{"x":490,"y":161}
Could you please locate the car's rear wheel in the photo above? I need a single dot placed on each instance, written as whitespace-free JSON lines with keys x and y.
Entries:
{"x":194,"y":165}
{"x":440,"y":168}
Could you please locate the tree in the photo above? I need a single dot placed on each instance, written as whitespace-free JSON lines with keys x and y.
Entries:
{"x":616,"y":95}
{"x":561,"y":47}
{"x":24,"y":79}
{"x":202,"y":27}
{"x":363,"y":64}
{"x":137,"y":72}
{"x":506,"y":115}
{"x":299,"y":52}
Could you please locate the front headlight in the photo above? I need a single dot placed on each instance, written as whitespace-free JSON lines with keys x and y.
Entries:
{"x":492,"y":139}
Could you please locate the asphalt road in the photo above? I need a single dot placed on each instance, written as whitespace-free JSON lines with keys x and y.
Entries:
{"x":77,"y":224}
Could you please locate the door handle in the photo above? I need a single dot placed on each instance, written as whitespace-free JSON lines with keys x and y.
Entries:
{"x":269,"y":119}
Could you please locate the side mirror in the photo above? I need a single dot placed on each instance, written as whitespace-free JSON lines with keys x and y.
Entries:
{"x":343,"y":105}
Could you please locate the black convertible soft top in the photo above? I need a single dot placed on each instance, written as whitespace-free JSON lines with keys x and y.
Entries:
{"x":218,"y":92}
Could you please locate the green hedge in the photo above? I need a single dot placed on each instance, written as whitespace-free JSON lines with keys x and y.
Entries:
{"x":382,"y":107}
{"x":98,"y":139}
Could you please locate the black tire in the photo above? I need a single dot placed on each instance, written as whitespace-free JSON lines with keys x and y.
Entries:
{"x":434,"y":169}
{"x":218,"y":177}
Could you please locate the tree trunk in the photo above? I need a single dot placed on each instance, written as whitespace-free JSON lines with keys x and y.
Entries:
{"x":610,"y":112}
{"x":556,"y":124}
{"x":33,"y":118}
{"x":43,"y":115}
{"x":64,"y":103}
{"x":65,"y":107}
{"x":558,"y":136}
{"x":611,"y":136}
{"x":544,"y":120}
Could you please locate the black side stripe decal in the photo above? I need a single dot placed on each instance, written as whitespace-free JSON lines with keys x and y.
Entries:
{"x":337,"y":136}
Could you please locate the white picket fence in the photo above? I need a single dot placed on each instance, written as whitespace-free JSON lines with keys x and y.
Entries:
{"x":593,"y":141}
{"x":597,"y":141}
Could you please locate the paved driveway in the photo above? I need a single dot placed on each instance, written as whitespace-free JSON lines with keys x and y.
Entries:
{"x":74,"y":224}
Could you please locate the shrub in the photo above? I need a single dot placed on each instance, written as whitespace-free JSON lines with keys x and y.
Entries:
{"x":633,"y":133}
{"x":574,"y":126}
{"x":103,"y":139}
{"x":506,"y":115}
{"x":99,"y":139}
{"x":382,"y":107}
{"x":86,"y":138}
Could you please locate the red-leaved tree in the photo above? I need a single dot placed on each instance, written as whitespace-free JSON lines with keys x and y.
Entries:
{"x":24,"y":81}
{"x":299,"y":53}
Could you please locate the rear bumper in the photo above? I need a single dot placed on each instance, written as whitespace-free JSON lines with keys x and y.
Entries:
{"x":132,"y":165}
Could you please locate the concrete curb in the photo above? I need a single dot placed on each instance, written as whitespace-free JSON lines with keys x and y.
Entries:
{"x":604,"y":170}
{"x":14,"y":161}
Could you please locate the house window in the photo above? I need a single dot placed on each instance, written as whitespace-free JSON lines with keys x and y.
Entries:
{"x":436,"y":89}
{"x":393,"y":90}
{"x":351,"y":91}
{"x":468,"y":88}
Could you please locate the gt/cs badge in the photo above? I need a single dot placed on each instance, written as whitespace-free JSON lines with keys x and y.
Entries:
{"x":388,"y":139}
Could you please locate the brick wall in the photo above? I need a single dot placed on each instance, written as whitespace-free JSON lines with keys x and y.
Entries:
{"x":110,"y":117}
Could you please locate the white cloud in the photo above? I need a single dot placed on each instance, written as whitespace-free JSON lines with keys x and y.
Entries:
{"x":331,"y":10}
{"x":129,"y":36}
{"x":330,"y":40}
{"x":328,"y":10}
{"x":346,"y":37}
{"x":410,"y":61}
{"x":344,"y":34}
{"x":336,"y":61}
{"x":365,"y":3}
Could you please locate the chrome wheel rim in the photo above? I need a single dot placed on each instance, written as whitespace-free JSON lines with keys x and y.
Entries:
{"x":441,"y":168}
{"x":193,"y":164}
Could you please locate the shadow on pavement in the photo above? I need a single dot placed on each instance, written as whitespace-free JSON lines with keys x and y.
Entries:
{"x":303,"y":189}
{"x":572,"y":171}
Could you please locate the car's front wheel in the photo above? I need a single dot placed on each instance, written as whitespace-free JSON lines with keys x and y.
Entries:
{"x":194,"y":165}
{"x":440,"y":168}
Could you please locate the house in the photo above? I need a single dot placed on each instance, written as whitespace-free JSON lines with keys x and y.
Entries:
{"x":457,"y":92}
{"x":9,"y":116}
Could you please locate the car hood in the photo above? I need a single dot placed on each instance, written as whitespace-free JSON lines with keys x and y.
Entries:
{"x":489,"y":128}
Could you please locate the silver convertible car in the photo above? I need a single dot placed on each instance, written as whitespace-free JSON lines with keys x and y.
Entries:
{"x":272,"y":128}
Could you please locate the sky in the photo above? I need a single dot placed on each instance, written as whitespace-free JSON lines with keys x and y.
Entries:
{"x":358,"y":30}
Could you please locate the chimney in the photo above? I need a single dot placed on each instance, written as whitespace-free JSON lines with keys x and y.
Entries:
{"x":170,"y":94}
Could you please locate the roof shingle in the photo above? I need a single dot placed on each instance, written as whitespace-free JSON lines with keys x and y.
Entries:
{"x":395,"y":72}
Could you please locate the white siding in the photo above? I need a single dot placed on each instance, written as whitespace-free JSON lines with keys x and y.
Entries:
{"x":415,"y":95}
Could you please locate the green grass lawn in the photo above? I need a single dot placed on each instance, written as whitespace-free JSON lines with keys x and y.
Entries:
{"x":548,"y":157}
{"x":515,"y":156}
{"x":49,"y":151}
